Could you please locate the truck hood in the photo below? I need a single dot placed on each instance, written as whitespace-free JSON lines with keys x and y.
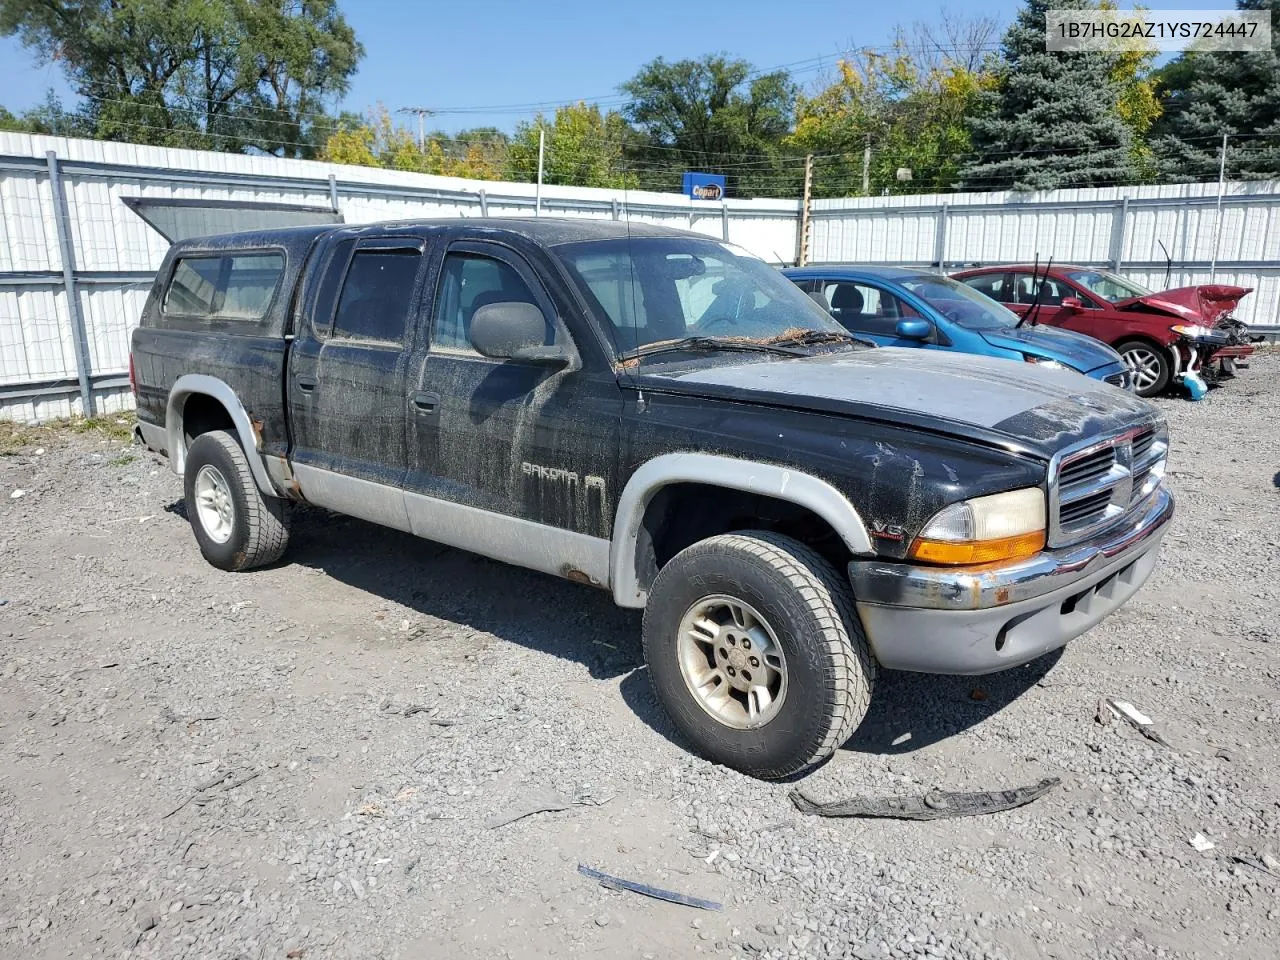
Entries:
{"x":1205,"y":304}
{"x":1000,"y":403}
{"x":1053,"y":343}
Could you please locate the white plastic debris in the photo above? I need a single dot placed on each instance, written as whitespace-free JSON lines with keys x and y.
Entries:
{"x":17,"y":494}
{"x":1202,"y":843}
{"x":1131,"y":713}
{"x":39,"y":451}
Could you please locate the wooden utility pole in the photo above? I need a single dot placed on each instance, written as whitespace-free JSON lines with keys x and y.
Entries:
{"x":866,"y":168}
{"x":803,"y":256}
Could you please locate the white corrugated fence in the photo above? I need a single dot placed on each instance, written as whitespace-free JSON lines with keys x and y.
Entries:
{"x":76,"y":262}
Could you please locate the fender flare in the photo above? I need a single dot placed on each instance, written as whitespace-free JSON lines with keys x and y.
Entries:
{"x":781,"y":483}
{"x":196,"y":383}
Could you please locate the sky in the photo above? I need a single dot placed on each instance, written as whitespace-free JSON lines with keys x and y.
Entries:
{"x":495,"y":60}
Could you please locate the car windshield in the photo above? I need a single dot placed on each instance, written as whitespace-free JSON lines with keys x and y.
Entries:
{"x":653,"y":290}
{"x":1108,"y":286}
{"x":961,"y":303}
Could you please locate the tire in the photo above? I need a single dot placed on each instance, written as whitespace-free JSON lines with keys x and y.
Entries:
{"x":1150,"y":365}
{"x":792,"y":600}
{"x":236,"y":526}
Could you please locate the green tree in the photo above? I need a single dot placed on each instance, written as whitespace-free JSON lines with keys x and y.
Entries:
{"x":49,"y":118}
{"x":1206,"y":95}
{"x":714,"y":115}
{"x":583,"y":148}
{"x":907,"y":106}
{"x":1053,"y":119}
{"x":221,"y":74}
{"x":376,"y":141}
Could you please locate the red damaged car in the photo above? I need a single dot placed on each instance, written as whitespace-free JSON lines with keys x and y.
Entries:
{"x":1186,"y":335}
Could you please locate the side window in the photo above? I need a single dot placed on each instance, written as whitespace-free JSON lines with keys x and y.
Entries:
{"x":329,"y":283}
{"x":468,"y":282}
{"x":377,"y":295}
{"x":866,"y":309}
{"x":994,"y":285}
{"x":234,"y":287}
{"x":1051,"y":291}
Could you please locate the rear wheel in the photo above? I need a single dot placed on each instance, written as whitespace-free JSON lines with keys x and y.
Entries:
{"x":756,"y":652}
{"x":1150,"y":365}
{"x":236,"y":526}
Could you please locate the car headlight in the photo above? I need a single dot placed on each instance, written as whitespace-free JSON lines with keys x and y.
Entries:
{"x":1045,"y":362}
{"x":1003,"y":526}
{"x":1191,"y":330}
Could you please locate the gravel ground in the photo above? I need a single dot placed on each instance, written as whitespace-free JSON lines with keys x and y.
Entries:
{"x":303,"y":761}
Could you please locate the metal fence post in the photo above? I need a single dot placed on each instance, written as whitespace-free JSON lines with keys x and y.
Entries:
{"x":617,"y":214}
{"x":1117,"y":235}
{"x":484,"y":203}
{"x":333,"y":193}
{"x":940,"y":240}
{"x":79,"y":336}
{"x":724,"y":221}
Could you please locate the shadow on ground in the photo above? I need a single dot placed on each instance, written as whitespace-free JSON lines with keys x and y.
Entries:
{"x":537,"y":611}
{"x":931,"y":708}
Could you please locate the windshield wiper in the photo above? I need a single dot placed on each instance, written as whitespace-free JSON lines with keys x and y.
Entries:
{"x":807,"y":338}
{"x":708,"y":344}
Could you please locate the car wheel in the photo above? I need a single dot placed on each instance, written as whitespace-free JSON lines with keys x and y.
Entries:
{"x":1150,"y":365}
{"x":236,"y":526}
{"x":756,"y":652}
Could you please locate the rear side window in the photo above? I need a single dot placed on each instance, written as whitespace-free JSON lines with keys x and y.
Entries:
{"x":234,"y":287}
{"x":993,"y":285}
{"x":377,"y":295}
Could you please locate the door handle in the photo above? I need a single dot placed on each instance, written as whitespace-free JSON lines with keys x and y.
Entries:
{"x":305,"y":384}
{"x":425,"y":404}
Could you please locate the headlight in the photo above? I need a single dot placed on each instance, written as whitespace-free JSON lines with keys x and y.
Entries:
{"x":1003,"y":526}
{"x":1045,"y":362}
{"x":1192,"y":330}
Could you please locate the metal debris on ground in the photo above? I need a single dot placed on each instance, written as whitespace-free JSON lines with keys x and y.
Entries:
{"x":1264,"y":861}
{"x":644,"y":889}
{"x":545,"y":801}
{"x":1201,"y":843}
{"x":1134,"y":717}
{"x":934,"y":805}
{"x":536,"y":801}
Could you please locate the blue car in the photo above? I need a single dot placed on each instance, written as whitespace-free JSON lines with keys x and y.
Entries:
{"x":903,"y":307}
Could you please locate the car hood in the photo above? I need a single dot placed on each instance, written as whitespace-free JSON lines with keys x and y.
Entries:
{"x":1000,"y":403}
{"x":1053,"y":343}
{"x":1205,"y":303}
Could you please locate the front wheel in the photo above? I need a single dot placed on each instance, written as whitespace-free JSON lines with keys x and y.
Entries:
{"x":756,"y":652}
{"x":236,"y":526}
{"x":1150,"y":365}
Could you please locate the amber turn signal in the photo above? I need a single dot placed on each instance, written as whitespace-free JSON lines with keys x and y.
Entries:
{"x":963,"y":553}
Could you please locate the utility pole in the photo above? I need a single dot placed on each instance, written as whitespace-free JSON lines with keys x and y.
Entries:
{"x":537,"y":196}
{"x":803,"y":257}
{"x":421,"y":112}
{"x":866,"y":168}
{"x":1217,"y":226}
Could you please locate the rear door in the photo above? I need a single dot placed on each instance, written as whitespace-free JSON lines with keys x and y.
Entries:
{"x":346,"y":382}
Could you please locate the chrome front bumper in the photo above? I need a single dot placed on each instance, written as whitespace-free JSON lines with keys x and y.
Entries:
{"x":983,"y":619}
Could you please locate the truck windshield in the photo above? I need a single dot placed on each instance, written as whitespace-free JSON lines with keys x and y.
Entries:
{"x":651,"y":290}
{"x":961,"y":303}
{"x":1108,"y":286}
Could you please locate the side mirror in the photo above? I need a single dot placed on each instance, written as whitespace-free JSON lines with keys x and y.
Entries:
{"x":1072,"y":303}
{"x":913,"y":328}
{"x":513,"y":331}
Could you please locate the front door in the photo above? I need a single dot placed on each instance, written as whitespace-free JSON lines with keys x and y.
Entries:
{"x":869,"y":311}
{"x":508,"y":457}
{"x":347,"y":375}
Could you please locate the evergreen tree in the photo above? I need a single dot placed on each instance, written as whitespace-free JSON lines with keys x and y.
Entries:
{"x":1209,"y":94}
{"x":1052,"y":121}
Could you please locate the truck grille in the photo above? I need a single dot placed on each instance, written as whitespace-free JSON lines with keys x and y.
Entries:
{"x":1097,"y":484}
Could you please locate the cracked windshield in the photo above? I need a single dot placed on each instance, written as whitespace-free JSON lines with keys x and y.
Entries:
{"x":651,"y":291}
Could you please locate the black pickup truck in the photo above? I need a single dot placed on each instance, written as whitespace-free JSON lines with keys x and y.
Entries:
{"x":663,"y":416}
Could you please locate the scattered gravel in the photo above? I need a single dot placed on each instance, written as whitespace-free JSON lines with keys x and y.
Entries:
{"x":304,"y":761}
